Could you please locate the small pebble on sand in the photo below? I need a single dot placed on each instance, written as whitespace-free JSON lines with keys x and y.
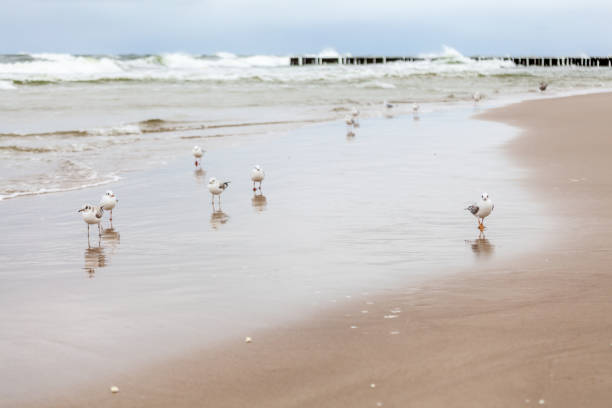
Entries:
{"x":372,"y":385}
{"x":354,"y":327}
{"x":248,"y":340}
{"x":541,"y":402}
{"x":114,"y":389}
{"x":390,"y":316}
{"x":379,"y":404}
{"x":364,"y":311}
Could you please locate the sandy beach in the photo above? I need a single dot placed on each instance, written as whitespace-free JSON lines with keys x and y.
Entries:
{"x":520,"y":327}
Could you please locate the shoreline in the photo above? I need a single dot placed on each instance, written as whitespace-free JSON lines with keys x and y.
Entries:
{"x":448,"y":337}
{"x":513,"y":336}
{"x":271,"y":129}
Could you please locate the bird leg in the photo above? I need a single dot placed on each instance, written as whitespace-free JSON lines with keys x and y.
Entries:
{"x":111,"y":217}
{"x":481,"y":226}
{"x":99,"y":230}
{"x":254,"y":186}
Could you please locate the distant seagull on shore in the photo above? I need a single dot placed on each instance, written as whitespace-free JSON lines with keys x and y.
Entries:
{"x":481,"y":210}
{"x":257,"y":176}
{"x":388,"y":105}
{"x":92,"y":214}
{"x":415,"y":108}
{"x":355,"y":115}
{"x":108,"y":202}
{"x":216,"y":188}
{"x":543,"y":86}
{"x":197,"y":153}
{"x":350,"y":125}
{"x":476,"y":97}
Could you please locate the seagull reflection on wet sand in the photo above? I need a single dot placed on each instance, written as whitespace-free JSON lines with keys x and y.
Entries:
{"x":95,"y":257}
{"x":481,"y":246}
{"x":199,"y":175}
{"x":259,"y":202}
{"x":218,"y":217}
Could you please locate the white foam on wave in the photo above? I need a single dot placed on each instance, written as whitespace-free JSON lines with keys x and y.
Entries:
{"x":377,"y":84}
{"x":7,"y":85}
{"x":116,"y":130}
{"x":225,"y":66}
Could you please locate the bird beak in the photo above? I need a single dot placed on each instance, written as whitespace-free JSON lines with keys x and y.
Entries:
{"x":80,"y":210}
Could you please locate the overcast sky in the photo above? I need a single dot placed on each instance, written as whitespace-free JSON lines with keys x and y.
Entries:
{"x":291,"y":27}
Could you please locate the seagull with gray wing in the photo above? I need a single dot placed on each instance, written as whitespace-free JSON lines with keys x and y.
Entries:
{"x":481,"y":210}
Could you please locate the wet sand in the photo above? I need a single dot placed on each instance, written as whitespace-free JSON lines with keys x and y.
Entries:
{"x":520,"y":331}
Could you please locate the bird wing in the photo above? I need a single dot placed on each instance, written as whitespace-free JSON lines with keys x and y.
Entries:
{"x":473,"y":209}
{"x":225,"y":184}
{"x":99,"y":212}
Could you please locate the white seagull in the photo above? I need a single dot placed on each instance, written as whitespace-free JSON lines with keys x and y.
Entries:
{"x":349,"y":120}
{"x":355,"y":115}
{"x":216,"y":188}
{"x":197,"y":153}
{"x":257,"y":175}
{"x":543,"y":86}
{"x":108,"y":202}
{"x":92,"y":214}
{"x":388,"y":105}
{"x":415,"y":108}
{"x":476,"y":97}
{"x":481,"y":210}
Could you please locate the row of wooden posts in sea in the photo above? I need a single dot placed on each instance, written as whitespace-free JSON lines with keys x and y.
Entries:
{"x":526,"y":61}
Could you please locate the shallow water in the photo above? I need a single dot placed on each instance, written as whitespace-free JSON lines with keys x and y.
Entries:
{"x":342,"y":216}
{"x":70,"y":121}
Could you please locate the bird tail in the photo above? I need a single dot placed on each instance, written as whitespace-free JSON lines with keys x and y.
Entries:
{"x":225,"y":184}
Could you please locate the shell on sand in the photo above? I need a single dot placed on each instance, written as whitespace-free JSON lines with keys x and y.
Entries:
{"x":114,"y":389}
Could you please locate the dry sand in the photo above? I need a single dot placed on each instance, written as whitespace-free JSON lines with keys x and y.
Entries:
{"x":533,"y":331}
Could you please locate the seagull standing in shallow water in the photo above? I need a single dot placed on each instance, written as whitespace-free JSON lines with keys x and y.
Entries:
{"x":216,"y":188}
{"x":543,"y":86}
{"x":197,"y":153}
{"x":481,"y":210}
{"x":92,"y":214}
{"x":108,"y":202}
{"x":476,"y":97}
{"x":257,"y":176}
{"x":415,"y":108}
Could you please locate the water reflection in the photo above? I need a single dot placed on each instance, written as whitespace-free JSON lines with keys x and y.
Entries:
{"x":350,"y":135}
{"x":259,"y":202}
{"x":199,"y":175}
{"x":218,"y":217}
{"x":94,"y":259}
{"x":97,"y":257}
{"x":481,"y":246}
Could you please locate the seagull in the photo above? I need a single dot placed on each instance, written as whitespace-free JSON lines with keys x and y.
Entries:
{"x":197,"y":153}
{"x":108,"y":202}
{"x":543,"y":86}
{"x":476,"y":97}
{"x":355,"y":115}
{"x":481,"y":210}
{"x":257,"y":175}
{"x":415,"y":107}
{"x":92,"y":214}
{"x":216,"y":188}
{"x":388,"y":105}
{"x":350,"y":125}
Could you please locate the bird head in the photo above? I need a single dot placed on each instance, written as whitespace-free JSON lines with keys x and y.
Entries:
{"x":110,"y":193}
{"x":485,"y":196}
{"x":212,"y":180}
{"x":86,"y":207}
{"x":257,"y":167}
